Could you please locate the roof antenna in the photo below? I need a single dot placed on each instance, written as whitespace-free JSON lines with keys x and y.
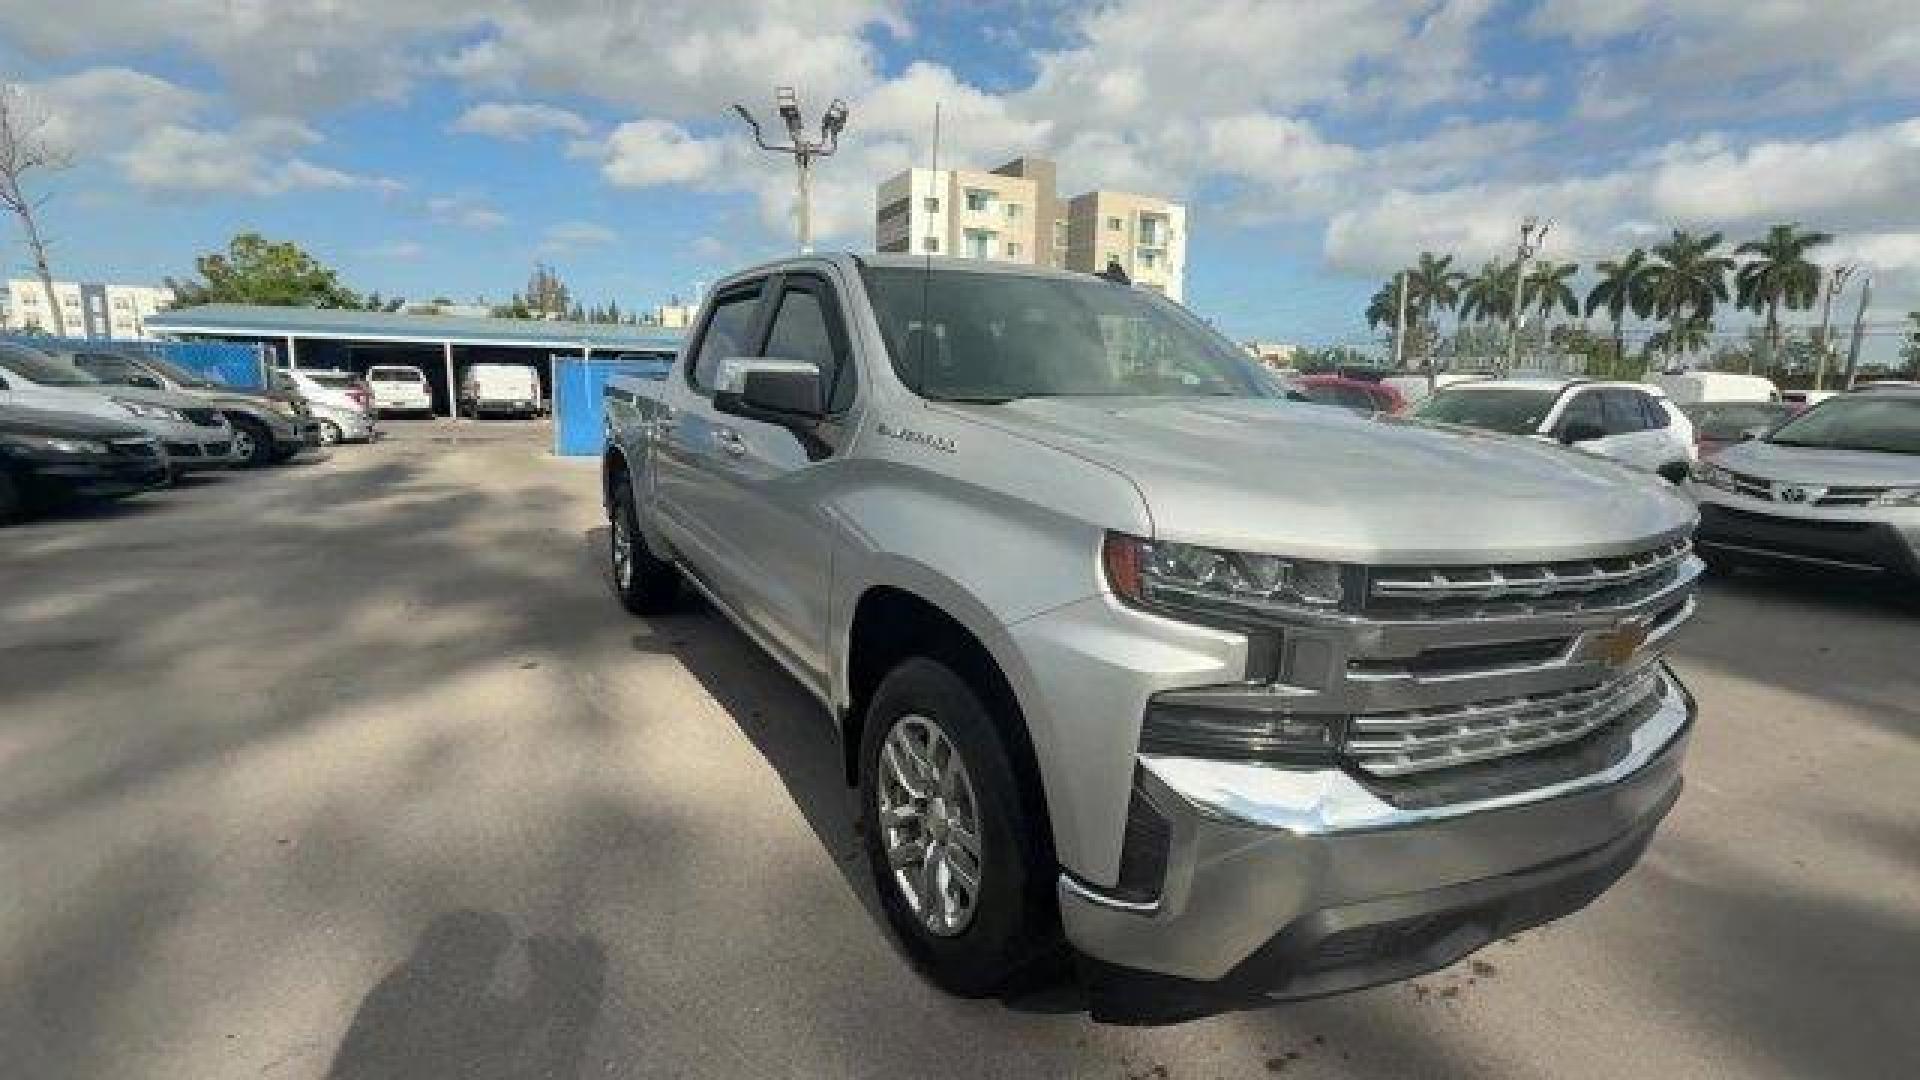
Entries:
{"x":926,"y":276}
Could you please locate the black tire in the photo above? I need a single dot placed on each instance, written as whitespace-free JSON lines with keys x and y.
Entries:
{"x":13,"y":501}
{"x":257,"y":442}
{"x":645,"y":584}
{"x":1014,"y":925}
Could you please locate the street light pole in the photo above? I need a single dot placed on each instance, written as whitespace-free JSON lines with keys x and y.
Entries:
{"x":1836,"y":281}
{"x":1859,"y":329}
{"x":802,"y":149}
{"x":1532,"y":235}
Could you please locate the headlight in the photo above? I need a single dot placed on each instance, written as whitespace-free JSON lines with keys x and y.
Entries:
{"x":1906,"y":496}
{"x":54,"y":446}
{"x":1184,"y":577}
{"x":149,"y":410}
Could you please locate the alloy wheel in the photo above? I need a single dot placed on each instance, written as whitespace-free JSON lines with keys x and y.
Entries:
{"x":931,"y":824}
{"x":622,"y":549}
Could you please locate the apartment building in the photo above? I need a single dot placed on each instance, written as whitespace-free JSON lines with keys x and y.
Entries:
{"x":1014,"y":214}
{"x":1147,"y":236}
{"x":89,"y":310}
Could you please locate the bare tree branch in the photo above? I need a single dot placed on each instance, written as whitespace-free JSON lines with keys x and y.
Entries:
{"x":24,"y":150}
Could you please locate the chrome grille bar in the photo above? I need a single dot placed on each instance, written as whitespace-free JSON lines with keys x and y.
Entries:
{"x":1420,"y":740}
{"x":1532,"y":580}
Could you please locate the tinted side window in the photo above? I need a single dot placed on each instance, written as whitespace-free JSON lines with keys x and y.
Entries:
{"x":804,"y":329}
{"x":110,"y":369}
{"x":1623,"y":411}
{"x":1584,"y":409}
{"x":726,"y":334}
{"x":1656,"y":413}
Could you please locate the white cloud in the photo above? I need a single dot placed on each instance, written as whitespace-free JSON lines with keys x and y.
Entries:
{"x":645,"y":153}
{"x":518,"y":121}
{"x":256,"y":157}
{"x":401,"y":250}
{"x":1857,"y":178}
{"x":464,"y":210}
{"x":105,"y":106}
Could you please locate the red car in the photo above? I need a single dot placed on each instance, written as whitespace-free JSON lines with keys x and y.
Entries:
{"x":1356,"y":394}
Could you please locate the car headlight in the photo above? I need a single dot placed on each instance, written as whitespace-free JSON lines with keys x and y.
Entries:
{"x":53,"y":446}
{"x":149,"y":410}
{"x":1902,"y":496}
{"x":1161,"y":574}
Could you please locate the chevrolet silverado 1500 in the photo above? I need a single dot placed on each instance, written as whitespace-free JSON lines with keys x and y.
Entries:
{"x":1126,"y":650}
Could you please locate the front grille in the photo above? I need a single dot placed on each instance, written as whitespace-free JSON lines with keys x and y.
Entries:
{"x":1465,"y":592}
{"x":1418,"y":740}
{"x":1784,"y":491}
{"x":140,"y":448}
{"x":218,"y":449}
{"x":183,"y":449}
{"x":203,"y":417}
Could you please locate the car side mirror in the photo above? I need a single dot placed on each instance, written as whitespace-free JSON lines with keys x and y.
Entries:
{"x":783,"y":392}
{"x":1582,"y":431}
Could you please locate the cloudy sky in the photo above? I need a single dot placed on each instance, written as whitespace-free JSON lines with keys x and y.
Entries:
{"x":441,"y":146}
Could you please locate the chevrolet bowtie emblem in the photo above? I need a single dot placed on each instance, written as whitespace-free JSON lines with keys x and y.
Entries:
{"x":1617,"y":647}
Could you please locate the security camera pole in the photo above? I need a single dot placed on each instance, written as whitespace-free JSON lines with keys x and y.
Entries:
{"x":800,"y":147}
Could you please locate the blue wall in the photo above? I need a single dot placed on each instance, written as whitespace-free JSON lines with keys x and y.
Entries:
{"x":234,"y":363}
{"x":579,"y":390}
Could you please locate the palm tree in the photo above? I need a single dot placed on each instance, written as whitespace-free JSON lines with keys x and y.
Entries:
{"x":1685,"y":335}
{"x":1432,"y":281}
{"x":1621,"y":289}
{"x":1685,"y":283}
{"x":1778,"y":273}
{"x":1488,"y":294}
{"x":1383,"y":309}
{"x":1547,"y":288}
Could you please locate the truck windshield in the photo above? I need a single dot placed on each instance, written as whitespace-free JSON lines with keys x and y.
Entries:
{"x":37,"y":367}
{"x":1509,"y":410}
{"x":1887,"y":425}
{"x":962,"y":335}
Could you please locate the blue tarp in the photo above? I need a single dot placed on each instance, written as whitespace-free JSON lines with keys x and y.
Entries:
{"x":579,"y":389}
{"x":234,"y":363}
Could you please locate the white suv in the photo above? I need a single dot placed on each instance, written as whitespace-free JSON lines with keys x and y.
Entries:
{"x":1632,"y":423}
{"x":400,"y":388}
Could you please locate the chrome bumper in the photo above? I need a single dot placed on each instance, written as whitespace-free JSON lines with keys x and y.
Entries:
{"x":1294,"y":883}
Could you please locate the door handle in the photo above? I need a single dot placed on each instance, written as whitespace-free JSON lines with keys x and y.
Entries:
{"x":730,"y":441}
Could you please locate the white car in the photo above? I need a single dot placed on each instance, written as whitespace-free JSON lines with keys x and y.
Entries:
{"x":1629,"y":422}
{"x":340,"y":401}
{"x":400,"y":388}
{"x":500,"y":389}
{"x":1835,"y":488}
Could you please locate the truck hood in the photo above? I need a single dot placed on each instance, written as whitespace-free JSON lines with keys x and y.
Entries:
{"x":1318,"y":482}
{"x":1813,"y":465}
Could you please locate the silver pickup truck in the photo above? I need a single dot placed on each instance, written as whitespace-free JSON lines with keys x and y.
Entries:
{"x":1127,"y":651}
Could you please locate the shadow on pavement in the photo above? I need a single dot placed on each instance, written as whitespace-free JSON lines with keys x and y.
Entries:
{"x":442,"y":1012}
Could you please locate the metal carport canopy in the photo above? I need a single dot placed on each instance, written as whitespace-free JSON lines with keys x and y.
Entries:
{"x":248,"y":320}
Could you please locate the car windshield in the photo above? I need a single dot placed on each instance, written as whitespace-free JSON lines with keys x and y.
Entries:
{"x":37,"y":367}
{"x":176,"y":373}
{"x":961,"y":335}
{"x":1509,"y":409}
{"x":1725,"y":421}
{"x":1882,"y":423}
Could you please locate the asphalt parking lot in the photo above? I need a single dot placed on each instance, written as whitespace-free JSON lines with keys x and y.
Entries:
{"x":353,"y":769}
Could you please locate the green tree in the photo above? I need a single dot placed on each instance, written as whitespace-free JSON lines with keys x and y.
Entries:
{"x":1621,"y":289}
{"x":547,"y":297}
{"x":1488,"y":295}
{"x":1683,"y":285}
{"x":1547,"y":287}
{"x":255,"y":270}
{"x":1432,"y":283}
{"x":1779,"y":273}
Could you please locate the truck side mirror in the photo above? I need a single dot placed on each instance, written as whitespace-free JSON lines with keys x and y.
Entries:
{"x":1582,"y":431}
{"x":783,"y":392}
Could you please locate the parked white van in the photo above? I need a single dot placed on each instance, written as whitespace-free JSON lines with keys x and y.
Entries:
{"x":400,"y":388}
{"x":1687,"y":387}
{"x":500,"y":390}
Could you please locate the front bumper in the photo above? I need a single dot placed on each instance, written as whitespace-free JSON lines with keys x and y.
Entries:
{"x":500,"y":407}
{"x":1855,"y":540}
{"x":1297,"y":883}
{"x":95,"y":474}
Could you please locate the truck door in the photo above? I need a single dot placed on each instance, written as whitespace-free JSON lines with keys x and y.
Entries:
{"x":693,"y":504}
{"x":771,"y":479}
